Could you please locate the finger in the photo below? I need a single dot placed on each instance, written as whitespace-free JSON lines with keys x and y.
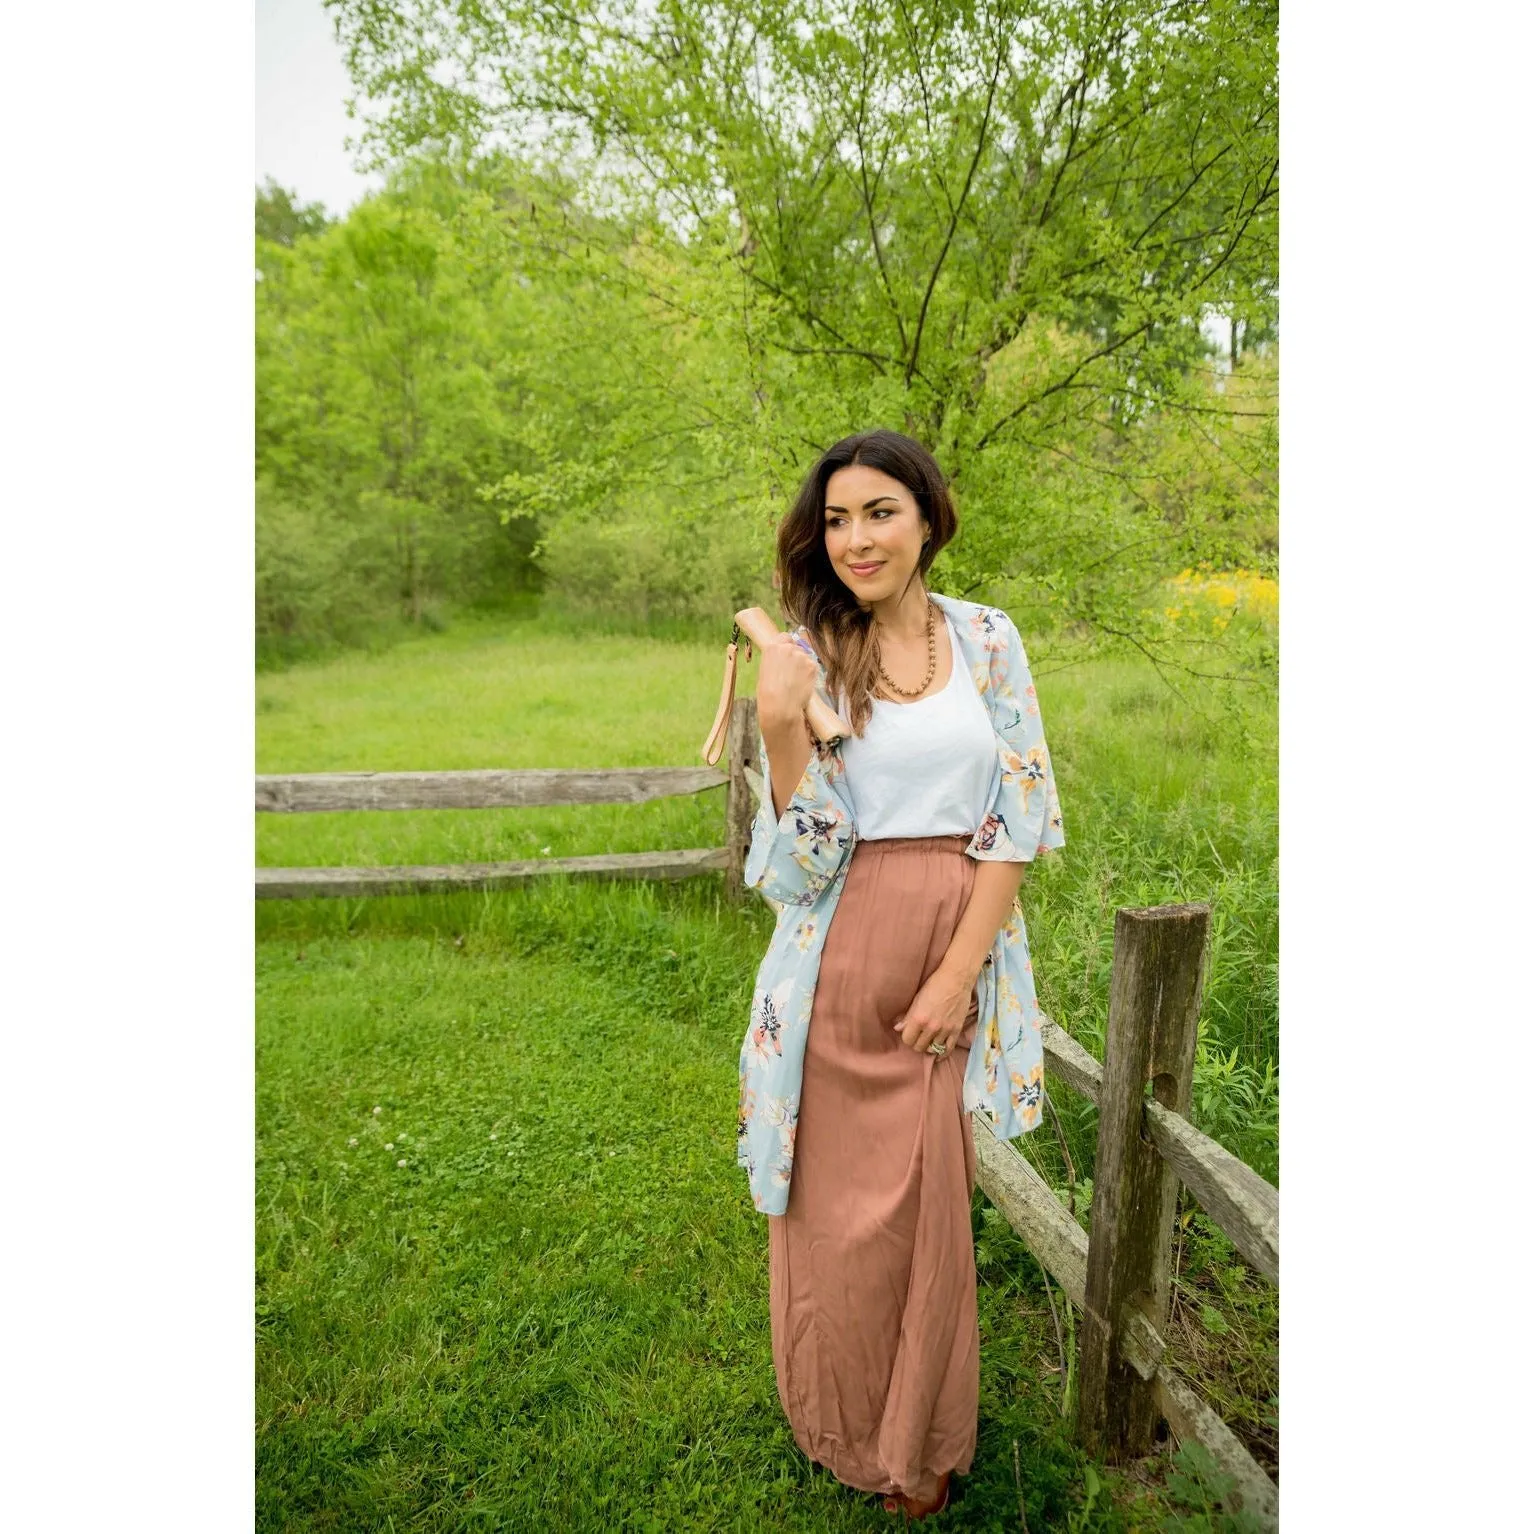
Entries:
{"x":941,"y":1034}
{"x":920,"y":1037}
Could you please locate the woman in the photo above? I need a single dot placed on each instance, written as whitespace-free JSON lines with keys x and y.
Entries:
{"x":856,"y":1071}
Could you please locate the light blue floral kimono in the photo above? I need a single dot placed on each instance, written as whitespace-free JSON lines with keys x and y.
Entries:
{"x":799,"y":863}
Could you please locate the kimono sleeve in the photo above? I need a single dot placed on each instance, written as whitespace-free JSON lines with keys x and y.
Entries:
{"x":794,"y":856}
{"x":1024,"y":815}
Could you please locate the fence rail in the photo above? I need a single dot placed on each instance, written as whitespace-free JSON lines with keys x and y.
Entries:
{"x":301,"y":883}
{"x":1118,"y":1274}
{"x":332,"y":792}
{"x":1244,"y":1205}
{"x":482,"y":789}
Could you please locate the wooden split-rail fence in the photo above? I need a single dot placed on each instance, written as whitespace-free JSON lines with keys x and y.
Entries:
{"x":1120,"y":1275}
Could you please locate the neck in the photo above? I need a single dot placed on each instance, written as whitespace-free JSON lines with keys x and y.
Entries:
{"x":903,"y":617}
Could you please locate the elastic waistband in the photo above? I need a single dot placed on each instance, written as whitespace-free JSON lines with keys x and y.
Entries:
{"x":887,"y":844}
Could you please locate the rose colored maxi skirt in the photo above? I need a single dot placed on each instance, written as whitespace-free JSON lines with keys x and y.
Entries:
{"x":872,"y":1266}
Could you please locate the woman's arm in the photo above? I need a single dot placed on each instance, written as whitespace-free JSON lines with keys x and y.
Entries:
{"x":801,"y":831}
{"x":796,"y":851}
{"x":788,"y":753}
{"x":990,"y":901}
{"x":938,"y":1011}
{"x":788,"y":674}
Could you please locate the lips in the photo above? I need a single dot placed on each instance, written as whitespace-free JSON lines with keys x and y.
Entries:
{"x":866,"y":569}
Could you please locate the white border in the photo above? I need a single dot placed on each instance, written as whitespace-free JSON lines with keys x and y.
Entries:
{"x":127,"y":1083}
{"x":127,"y":1086}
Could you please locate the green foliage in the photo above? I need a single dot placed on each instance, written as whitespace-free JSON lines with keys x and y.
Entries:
{"x":1080,"y":1519}
{"x":594,"y":360}
{"x":316,"y":574}
{"x":388,"y":367}
{"x":282,"y":219}
{"x":1236,"y":1101}
{"x":1224,"y":1330}
{"x":995,"y":227}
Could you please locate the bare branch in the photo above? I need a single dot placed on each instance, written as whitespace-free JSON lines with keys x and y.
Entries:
{"x":868,"y":208}
{"x":1235,"y":239}
{"x":1064,"y":383}
{"x":990,"y":97}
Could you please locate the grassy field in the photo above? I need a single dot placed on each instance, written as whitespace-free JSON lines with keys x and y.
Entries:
{"x":509,"y":1275}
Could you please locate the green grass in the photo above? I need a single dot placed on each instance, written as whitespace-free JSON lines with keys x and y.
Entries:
{"x":554,"y":1315}
{"x":490,"y":695}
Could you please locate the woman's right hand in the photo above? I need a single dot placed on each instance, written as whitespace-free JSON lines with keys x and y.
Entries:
{"x":785,"y":683}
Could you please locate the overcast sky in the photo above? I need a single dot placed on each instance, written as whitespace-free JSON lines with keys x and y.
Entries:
{"x":301,"y":90}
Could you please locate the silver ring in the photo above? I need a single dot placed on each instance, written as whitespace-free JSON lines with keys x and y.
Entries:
{"x":937,"y":1049}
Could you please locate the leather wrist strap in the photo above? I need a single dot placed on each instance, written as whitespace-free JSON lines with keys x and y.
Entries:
{"x":713,"y":747}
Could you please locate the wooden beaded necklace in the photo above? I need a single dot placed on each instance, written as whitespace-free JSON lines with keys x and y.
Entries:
{"x":931,"y":659}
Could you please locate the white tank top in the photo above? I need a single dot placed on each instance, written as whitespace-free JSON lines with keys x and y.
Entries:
{"x":923,"y":768}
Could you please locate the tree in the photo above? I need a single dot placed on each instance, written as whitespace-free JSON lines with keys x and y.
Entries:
{"x":386,"y":362}
{"x":282,"y":219}
{"x":996,"y":225}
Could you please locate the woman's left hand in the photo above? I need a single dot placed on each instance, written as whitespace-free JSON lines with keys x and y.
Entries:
{"x":937,"y":1013}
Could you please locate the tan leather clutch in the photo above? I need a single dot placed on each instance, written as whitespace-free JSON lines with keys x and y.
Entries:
{"x":757,"y":625}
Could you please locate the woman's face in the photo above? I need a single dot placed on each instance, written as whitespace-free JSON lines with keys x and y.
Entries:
{"x":874,"y":531}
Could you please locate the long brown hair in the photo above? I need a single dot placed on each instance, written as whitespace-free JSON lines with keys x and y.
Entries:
{"x":810,"y":591}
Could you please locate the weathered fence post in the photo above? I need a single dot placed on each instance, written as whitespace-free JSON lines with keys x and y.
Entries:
{"x":1158,"y":960}
{"x":739,"y":802}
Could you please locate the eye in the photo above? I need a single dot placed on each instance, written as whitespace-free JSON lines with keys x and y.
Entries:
{"x":879,"y":511}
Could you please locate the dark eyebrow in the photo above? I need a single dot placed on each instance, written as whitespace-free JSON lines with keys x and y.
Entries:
{"x":866,"y":504}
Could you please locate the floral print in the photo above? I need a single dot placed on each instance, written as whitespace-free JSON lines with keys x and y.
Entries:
{"x":798,"y":862}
